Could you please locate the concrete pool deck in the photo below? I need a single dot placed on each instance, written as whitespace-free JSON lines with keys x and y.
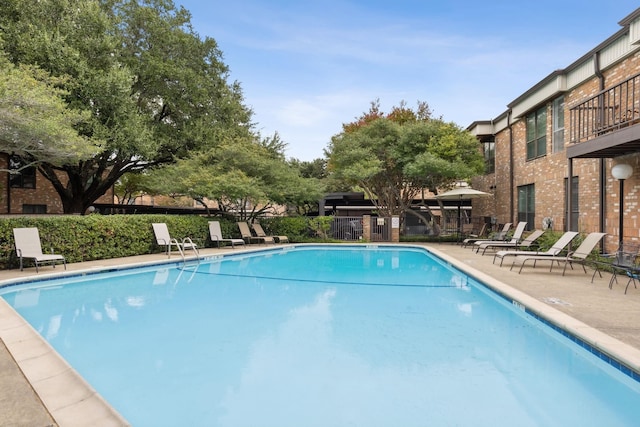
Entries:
{"x":40,"y":389}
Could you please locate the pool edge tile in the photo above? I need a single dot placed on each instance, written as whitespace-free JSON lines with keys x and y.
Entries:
{"x":51,"y":376}
{"x":625,"y":356}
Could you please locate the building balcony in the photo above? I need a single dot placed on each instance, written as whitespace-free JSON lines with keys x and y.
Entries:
{"x":607,"y":124}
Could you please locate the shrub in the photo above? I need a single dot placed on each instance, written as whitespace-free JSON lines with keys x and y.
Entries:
{"x":94,"y":237}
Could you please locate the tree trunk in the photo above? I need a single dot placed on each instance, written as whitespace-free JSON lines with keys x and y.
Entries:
{"x":206,"y":207}
{"x":434,"y":227}
{"x":74,"y":206}
{"x":85,"y":183}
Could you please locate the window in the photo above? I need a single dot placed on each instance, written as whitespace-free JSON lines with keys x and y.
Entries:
{"x":527,"y":204}
{"x":537,"y":134}
{"x":34,"y":209}
{"x":558,"y":125}
{"x":489,"y":151}
{"x":21,"y":176}
{"x":575,"y":207}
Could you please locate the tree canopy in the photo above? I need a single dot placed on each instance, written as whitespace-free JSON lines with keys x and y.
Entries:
{"x":35,"y":122}
{"x":245,"y":178}
{"x":393,"y":157}
{"x":148,"y":88}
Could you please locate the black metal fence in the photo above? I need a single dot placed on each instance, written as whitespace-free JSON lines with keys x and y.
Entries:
{"x":346,"y":228}
{"x":112,"y":209}
{"x":611,"y":109}
{"x":380,"y":229}
{"x":351,"y":228}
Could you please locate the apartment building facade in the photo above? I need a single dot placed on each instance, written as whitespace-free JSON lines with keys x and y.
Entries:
{"x":578,"y":122}
{"x":28,"y":192}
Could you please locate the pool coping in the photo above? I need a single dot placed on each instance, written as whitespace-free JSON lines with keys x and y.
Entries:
{"x":608,"y":348}
{"x":71,"y":401}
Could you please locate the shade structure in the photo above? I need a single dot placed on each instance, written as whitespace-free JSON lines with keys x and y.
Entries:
{"x":459,"y":194}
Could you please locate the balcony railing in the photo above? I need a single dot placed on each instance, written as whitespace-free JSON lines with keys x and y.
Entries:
{"x":607,"y":111}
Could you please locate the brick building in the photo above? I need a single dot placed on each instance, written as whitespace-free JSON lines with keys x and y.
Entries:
{"x":580,"y":121}
{"x":29,"y":192}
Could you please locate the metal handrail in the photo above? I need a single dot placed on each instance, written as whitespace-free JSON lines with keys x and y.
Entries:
{"x":606,"y":111}
{"x":187,"y":241}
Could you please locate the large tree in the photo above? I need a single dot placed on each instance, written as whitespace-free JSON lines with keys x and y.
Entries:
{"x":247,"y":178}
{"x":394,"y":157}
{"x":154,"y":90}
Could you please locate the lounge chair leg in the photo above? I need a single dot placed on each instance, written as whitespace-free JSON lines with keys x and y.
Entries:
{"x":634,"y":284}
{"x":522,"y":265}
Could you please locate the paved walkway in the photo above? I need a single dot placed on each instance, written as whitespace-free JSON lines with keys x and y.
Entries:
{"x":31,"y":372}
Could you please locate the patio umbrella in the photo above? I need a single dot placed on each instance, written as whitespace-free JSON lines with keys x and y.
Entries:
{"x":459,"y":194}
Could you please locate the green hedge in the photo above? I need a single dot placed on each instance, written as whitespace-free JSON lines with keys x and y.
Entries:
{"x":94,"y":237}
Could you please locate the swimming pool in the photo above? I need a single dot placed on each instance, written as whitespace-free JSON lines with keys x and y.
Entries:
{"x":317,"y":336}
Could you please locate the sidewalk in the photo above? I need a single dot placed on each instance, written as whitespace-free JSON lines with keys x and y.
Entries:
{"x":609,"y":318}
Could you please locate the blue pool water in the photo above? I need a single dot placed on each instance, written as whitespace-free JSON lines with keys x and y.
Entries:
{"x":320,"y":336}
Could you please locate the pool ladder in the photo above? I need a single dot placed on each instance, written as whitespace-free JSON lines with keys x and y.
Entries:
{"x":186,"y":243}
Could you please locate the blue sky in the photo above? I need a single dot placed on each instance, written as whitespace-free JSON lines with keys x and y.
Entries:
{"x":307,"y":67}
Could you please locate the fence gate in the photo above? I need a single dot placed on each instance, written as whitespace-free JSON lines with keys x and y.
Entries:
{"x":351,"y":228}
{"x":380,"y":229}
{"x":346,"y":228}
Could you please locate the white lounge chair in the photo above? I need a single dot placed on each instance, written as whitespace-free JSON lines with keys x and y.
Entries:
{"x":245,"y":232}
{"x":500,"y":235}
{"x":515,"y":238}
{"x":577,"y":256}
{"x":527,"y":242}
{"x":215,"y":233}
{"x":27,"y":243}
{"x":163,"y":238}
{"x":581,"y":254}
{"x":260,"y":233}
{"x":557,"y":247}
